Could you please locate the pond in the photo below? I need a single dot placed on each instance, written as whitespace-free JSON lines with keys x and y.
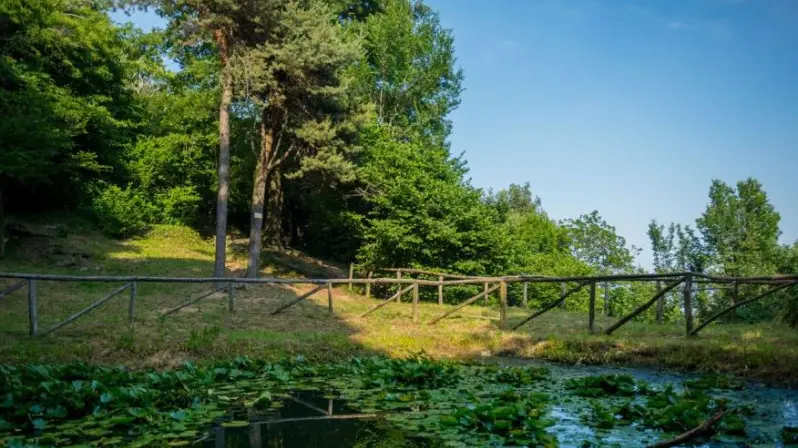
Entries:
{"x":381,"y":402}
{"x":312,"y":418}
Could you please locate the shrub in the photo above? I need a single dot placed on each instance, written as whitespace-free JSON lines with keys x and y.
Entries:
{"x":121,"y":212}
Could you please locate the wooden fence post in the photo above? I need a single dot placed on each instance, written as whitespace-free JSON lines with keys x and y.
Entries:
{"x":32,"y":313}
{"x":524,"y":298}
{"x":131,"y":312}
{"x":399,"y":285}
{"x":368,"y":286}
{"x":562,"y":293}
{"x":351,"y":274}
{"x":660,"y":304}
{"x":487,"y":296}
{"x":440,"y":290}
{"x":688,"y":303}
{"x":330,"y":297}
{"x":502,"y":304}
{"x":415,"y":302}
{"x":231,"y":298}
{"x":591,"y":317}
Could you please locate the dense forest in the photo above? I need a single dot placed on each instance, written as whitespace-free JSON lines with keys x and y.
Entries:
{"x":317,"y":125}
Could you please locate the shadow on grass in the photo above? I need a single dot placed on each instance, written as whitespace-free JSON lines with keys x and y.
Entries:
{"x":208,"y":330}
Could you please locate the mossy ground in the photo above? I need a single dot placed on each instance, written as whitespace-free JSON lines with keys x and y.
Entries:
{"x":767,"y":352}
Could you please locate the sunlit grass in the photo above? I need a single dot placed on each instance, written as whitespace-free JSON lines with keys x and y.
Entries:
{"x":208,"y":331}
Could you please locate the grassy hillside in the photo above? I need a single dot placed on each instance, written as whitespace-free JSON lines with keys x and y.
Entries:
{"x":207,"y":330}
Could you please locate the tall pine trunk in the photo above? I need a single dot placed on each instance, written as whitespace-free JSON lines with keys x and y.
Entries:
{"x":224,"y":153}
{"x":272,"y":224}
{"x":258,"y":198}
{"x":2,"y":227}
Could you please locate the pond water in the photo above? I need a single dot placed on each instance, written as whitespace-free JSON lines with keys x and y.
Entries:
{"x":311,"y":419}
{"x":316,"y":419}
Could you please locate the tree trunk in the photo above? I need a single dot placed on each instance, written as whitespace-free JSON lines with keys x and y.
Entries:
{"x":224,"y":153}
{"x":272,"y":224}
{"x":258,"y":199}
{"x":2,"y":227}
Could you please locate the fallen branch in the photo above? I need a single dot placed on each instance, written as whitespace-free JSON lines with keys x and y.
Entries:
{"x":695,"y":432}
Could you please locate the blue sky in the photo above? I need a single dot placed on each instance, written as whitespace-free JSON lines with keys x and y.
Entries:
{"x":627,"y":107}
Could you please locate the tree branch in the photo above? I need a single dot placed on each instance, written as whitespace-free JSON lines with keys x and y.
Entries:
{"x":695,"y":432}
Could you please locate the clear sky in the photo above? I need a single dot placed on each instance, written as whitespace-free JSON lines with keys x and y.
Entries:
{"x":627,"y":107}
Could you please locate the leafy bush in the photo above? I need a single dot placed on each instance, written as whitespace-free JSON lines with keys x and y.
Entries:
{"x":121,"y":212}
{"x":179,"y":205}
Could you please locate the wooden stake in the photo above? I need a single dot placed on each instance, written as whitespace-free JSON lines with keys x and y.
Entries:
{"x":487,"y":295}
{"x":330,"y":297}
{"x":440,"y":290}
{"x":591,"y":317}
{"x":131,"y":312}
{"x":351,"y":274}
{"x":524,"y":298}
{"x":502,"y":304}
{"x":231,"y":298}
{"x":415,"y":302}
{"x":399,"y":286}
{"x":368,"y":286}
{"x":33,"y":317}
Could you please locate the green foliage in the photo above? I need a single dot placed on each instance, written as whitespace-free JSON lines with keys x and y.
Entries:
{"x":789,"y":435}
{"x":123,"y":212}
{"x":423,"y":213}
{"x":517,"y":419}
{"x":715,"y":382}
{"x":605,"y":385}
{"x":595,"y":242}
{"x":417,"y":372}
{"x":521,"y":376}
{"x":600,"y":416}
{"x":64,"y":96}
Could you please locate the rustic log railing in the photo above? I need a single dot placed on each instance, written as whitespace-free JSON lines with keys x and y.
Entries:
{"x":406,"y":285}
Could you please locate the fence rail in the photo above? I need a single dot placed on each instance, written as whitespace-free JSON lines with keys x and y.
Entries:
{"x":408,"y":284}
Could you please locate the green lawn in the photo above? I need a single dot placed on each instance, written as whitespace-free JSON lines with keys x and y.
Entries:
{"x":208,"y":331}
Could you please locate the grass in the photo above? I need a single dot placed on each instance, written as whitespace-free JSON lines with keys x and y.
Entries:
{"x":765,"y":352}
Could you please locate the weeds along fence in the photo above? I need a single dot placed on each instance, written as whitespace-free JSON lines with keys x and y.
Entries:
{"x":405,"y":285}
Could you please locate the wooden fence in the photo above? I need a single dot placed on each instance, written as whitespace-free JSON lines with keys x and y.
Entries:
{"x":407,"y":285}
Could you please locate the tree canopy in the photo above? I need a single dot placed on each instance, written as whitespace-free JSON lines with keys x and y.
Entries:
{"x":321,"y":125}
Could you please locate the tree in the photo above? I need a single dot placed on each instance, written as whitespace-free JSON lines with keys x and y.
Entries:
{"x":422,"y":212}
{"x":64,"y":98}
{"x":295,"y":76}
{"x":223,"y":22}
{"x":740,"y":228}
{"x":595,"y":242}
{"x":408,"y":70}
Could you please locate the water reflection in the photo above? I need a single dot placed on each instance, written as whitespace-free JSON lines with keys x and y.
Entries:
{"x":308,"y":419}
